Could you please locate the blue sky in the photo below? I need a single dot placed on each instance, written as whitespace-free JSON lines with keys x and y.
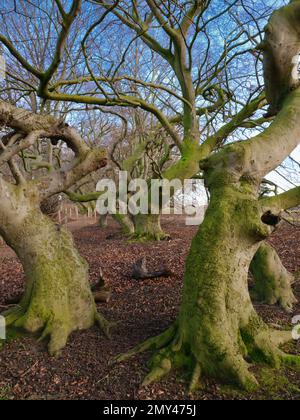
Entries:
{"x":280,"y":181}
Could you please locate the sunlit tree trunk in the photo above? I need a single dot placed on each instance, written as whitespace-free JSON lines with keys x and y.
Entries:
{"x":58,"y":298}
{"x":218,"y":331}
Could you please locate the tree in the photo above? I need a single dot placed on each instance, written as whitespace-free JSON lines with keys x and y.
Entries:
{"x":142,"y":151}
{"x":57,"y":299}
{"x":182,"y":25}
{"x":217,"y":98}
{"x":172,"y":53}
{"x":218,"y":331}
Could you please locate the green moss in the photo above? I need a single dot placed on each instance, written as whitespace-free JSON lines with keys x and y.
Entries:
{"x":273,"y":283}
{"x":148,"y":228}
{"x":125,"y":223}
{"x":273,"y":384}
{"x":255,"y":353}
{"x":5,"y":393}
{"x":58,"y":298}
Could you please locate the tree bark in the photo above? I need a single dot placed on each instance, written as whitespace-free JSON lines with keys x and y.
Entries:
{"x":148,"y":227}
{"x":218,"y":331}
{"x":58,"y":298}
{"x":273,"y":283}
{"x":125,"y":222}
{"x":142,"y":227}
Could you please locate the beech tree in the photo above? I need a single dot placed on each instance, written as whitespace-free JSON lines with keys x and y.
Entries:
{"x":57,"y":299}
{"x":208,"y":91}
{"x":218,"y":330}
{"x":179,"y":104}
{"x":143,"y":151}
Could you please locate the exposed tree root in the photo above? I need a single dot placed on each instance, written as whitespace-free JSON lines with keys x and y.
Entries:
{"x":104,"y":325}
{"x":153,"y":343}
{"x":58,"y":299}
{"x":57,"y":330}
{"x":12,"y":314}
{"x":147,"y":228}
{"x":259,"y":344}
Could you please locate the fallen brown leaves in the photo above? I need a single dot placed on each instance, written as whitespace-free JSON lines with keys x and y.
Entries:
{"x":140,"y":310}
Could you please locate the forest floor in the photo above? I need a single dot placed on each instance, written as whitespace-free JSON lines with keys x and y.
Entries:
{"x":141,"y":309}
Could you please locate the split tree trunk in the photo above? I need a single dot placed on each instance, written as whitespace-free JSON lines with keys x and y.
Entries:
{"x":58,"y":298}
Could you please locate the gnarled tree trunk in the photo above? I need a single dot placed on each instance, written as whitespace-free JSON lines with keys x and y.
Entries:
{"x":218,"y":328}
{"x":142,"y":227}
{"x":58,"y":298}
{"x":218,"y":331}
{"x":273,"y":283}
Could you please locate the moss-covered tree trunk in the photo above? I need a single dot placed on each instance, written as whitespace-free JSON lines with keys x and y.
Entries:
{"x":142,"y":227}
{"x":148,"y":227}
{"x":125,"y":222}
{"x":273,"y":283}
{"x":58,"y":298}
{"x":218,"y":326}
{"x":218,"y":331}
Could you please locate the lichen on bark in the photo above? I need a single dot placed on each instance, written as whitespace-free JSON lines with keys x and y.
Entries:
{"x":281,"y":49}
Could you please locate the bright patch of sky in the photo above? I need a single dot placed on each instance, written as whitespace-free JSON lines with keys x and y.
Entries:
{"x":289,"y":176}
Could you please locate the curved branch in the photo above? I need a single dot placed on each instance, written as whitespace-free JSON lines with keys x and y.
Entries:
{"x":284,"y":201}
